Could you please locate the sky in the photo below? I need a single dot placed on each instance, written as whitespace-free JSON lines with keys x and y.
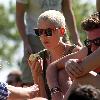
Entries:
{"x":91,"y":1}
{"x":6,"y":3}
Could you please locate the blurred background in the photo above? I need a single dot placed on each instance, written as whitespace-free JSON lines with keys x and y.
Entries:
{"x":11,"y":50}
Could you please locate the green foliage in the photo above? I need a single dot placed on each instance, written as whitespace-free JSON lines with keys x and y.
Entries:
{"x":9,"y":39}
{"x":82,"y":10}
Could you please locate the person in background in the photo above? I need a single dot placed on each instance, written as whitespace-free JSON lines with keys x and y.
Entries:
{"x":14,"y":78}
{"x":70,"y":21}
{"x":85,"y":92}
{"x":51,"y":27}
{"x":28,"y":11}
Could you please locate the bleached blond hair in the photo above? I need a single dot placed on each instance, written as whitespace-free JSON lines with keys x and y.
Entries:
{"x":53,"y":17}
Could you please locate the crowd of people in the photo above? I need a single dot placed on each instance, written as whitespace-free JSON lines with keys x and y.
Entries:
{"x":53,"y":68}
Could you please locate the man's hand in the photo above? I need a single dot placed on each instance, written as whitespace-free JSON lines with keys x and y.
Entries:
{"x":73,"y":68}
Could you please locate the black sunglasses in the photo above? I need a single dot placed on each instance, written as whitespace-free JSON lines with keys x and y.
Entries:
{"x":96,"y":42}
{"x":47,"y":32}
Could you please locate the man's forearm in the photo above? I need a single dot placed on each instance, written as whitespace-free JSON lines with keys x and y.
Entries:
{"x":60,"y":63}
{"x":84,"y":66}
{"x":92,"y":61}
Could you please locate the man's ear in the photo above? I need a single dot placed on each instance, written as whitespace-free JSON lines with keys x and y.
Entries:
{"x":62,"y":31}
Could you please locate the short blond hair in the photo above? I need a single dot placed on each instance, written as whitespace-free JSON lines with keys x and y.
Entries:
{"x":54,"y":17}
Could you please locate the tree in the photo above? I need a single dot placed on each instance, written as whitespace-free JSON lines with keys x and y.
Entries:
{"x":9,"y":38}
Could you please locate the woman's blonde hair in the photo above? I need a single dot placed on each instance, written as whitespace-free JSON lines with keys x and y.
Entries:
{"x":53,"y":17}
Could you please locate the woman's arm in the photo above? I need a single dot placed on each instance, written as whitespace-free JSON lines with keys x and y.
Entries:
{"x":41,"y":84}
{"x":37,"y":74}
{"x":52,"y":80}
{"x":53,"y":71}
{"x":59,"y":65}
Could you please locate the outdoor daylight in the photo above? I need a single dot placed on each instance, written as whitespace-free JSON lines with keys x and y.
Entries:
{"x":49,"y":50}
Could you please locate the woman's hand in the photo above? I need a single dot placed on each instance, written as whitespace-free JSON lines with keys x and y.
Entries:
{"x":36,"y":67}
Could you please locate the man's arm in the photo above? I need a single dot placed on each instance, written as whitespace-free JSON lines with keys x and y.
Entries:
{"x":88,"y":79}
{"x":60,"y":63}
{"x":88,"y":64}
{"x":70,"y":20}
{"x":92,"y":61}
{"x":20,"y":11}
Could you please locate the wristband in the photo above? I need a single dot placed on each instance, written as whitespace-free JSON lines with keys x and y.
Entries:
{"x":55,"y":90}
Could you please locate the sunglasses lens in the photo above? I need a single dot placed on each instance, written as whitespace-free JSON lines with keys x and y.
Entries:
{"x":97,"y":42}
{"x":37,"y":32}
{"x":48,"y":32}
{"x":87,"y":43}
{"x":90,"y":42}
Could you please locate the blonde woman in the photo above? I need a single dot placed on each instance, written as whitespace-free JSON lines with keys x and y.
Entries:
{"x":51,"y":29}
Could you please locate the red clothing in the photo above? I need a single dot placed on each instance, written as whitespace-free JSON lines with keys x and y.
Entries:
{"x":97,"y":70}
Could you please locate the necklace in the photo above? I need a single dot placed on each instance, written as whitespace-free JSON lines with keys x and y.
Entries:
{"x":62,"y":55}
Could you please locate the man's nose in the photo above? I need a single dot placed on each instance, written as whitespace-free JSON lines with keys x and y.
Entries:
{"x":93,"y":47}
